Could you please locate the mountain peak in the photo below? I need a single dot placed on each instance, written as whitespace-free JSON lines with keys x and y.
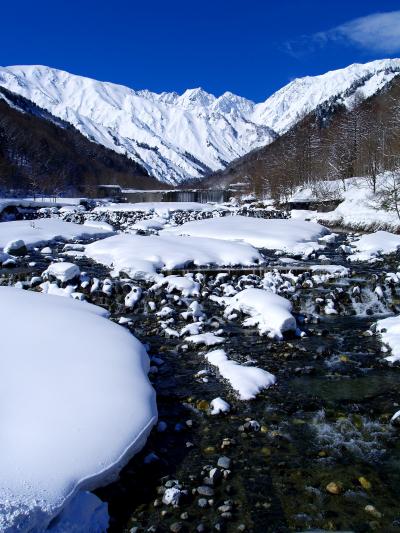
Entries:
{"x":175,"y":137}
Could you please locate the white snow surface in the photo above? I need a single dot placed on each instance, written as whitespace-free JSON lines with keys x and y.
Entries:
{"x":179,"y":136}
{"x":141,"y":256}
{"x":247,"y":381}
{"x":374,"y":245}
{"x":76,"y":404}
{"x":63,"y":271}
{"x":360,"y":209}
{"x":45,"y":230}
{"x":270,"y":312}
{"x":389,"y":328}
{"x":280,"y":234}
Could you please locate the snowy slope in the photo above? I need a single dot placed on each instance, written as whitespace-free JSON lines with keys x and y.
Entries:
{"x":182,"y":136}
{"x":290,"y":104}
{"x":172,"y":136}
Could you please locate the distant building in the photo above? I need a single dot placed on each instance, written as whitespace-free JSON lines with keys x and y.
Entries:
{"x":109,"y":191}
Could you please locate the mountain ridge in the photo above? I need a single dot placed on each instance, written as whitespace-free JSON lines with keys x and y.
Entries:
{"x":176,"y":137}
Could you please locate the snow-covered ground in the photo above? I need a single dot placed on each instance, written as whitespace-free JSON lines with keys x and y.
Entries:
{"x":374,"y":245}
{"x":42,"y":231}
{"x":359,"y":209}
{"x":143,"y":256}
{"x":389,"y":328}
{"x":76,"y":405}
{"x":262,"y":233}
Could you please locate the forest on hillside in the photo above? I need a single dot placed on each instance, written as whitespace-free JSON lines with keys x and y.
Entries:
{"x":332,"y":143}
{"x":42,"y":154}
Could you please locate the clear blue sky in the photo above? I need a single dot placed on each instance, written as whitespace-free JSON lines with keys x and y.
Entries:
{"x":249,"y":47}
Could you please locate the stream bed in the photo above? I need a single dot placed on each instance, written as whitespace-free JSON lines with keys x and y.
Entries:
{"x":316,"y":451}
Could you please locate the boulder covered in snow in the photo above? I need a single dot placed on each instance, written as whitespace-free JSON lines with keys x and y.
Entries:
{"x":270,"y":312}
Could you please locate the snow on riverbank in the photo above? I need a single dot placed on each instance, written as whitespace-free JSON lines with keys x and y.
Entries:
{"x":274,"y":234}
{"x":247,"y":381}
{"x":141,"y":256}
{"x":42,"y":231}
{"x":360,"y":209}
{"x":373,"y":245}
{"x":76,"y":405}
{"x":389,"y":328}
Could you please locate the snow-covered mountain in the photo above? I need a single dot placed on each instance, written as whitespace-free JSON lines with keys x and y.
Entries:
{"x":186,"y":136}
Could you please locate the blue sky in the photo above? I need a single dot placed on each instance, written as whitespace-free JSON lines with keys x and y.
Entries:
{"x":249,"y":47}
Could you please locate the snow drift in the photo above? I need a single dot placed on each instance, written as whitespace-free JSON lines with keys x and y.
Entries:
{"x":76,"y":404}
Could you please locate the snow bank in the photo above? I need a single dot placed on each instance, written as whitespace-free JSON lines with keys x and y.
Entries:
{"x":247,"y":381}
{"x":38,"y":232}
{"x":389,"y":328}
{"x":270,"y":312}
{"x":259,"y":232}
{"x":360,"y":208}
{"x":76,"y":404}
{"x":141,"y":256}
{"x":373,"y":245}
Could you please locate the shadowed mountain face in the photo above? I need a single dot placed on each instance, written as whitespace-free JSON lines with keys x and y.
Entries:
{"x":179,"y":137}
{"x":41,"y":152}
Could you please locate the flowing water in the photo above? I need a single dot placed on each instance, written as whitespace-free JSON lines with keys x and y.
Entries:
{"x":326,"y":421}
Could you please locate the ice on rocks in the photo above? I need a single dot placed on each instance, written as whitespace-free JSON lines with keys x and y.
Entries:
{"x":76,"y":405}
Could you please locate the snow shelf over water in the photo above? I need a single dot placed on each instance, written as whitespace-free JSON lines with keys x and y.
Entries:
{"x":41,"y":231}
{"x":75,"y":400}
{"x":141,"y":256}
{"x":279,"y":234}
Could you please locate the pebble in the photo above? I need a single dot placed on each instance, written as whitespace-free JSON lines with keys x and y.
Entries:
{"x":224,"y":462}
{"x":373,"y":511}
{"x":334,"y":488}
{"x":176,"y":527}
{"x":202,"y":502}
{"x":204,"y":490}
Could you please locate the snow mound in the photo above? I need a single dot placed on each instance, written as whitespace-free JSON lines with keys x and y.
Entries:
{"x":270,"y":312}
{"x":259,"y":232}
{"x":373,"y":245}
{"x":389,"y":328}
{"x":141,"y":256}
{"x":38,"y":232}
{"x":247,"y":381}
{"x":63,"y":271}
{"x":76,"y":404}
